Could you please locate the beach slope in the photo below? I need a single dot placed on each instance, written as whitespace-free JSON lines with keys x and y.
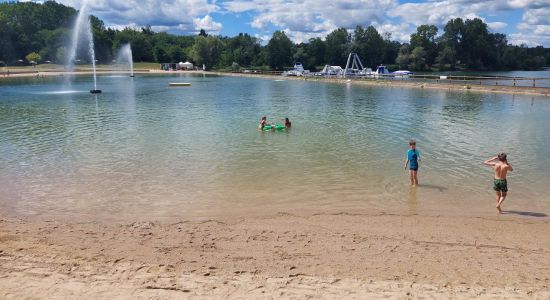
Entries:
{"x":318,"y":255}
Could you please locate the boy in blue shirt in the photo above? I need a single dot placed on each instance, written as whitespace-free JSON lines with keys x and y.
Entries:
{"x":413,"y":157}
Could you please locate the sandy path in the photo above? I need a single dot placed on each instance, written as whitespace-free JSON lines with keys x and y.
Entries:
{"x":283,"y":256}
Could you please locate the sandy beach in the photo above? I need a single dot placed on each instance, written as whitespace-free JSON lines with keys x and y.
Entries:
{"x":283,"y":255}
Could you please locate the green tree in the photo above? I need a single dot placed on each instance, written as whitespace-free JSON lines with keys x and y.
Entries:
{"x":338,"y":46}
{"x":453,"y":34}
{"x":6,"y":38}
{"x":103,"y":40}
{"x":235,"y":66}
{"x":241,"y":49}
{"x":476,"y":44}
{"x":418,"y":59}
{"x":391,"y":49}
{"x":142,"y":49}
{"x":33,"y":57}
{"x":369,"y":44}
{"x":425,"y":37}
{"x":44,"y":28}
{"x":404,"y":57}
{"x":447,"y":56}
{"x":61,"y":55}
{"x":316,"y":49}
{"x":301,"y":55}
{"x":176,"y":54}
{"x":160,"y":54}
{"x":279,"y":51}
{"x":206,"y":50}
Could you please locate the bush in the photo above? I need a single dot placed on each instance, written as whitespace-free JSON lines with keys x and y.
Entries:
{"x":33,"y":57}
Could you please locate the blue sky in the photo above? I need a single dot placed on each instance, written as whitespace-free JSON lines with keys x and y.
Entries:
{"x":524,"y":21}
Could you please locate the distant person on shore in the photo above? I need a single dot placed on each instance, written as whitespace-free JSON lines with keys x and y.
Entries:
{"x":501,"y":166}
{"x":413,"y":157}
{"x":287,"y":123}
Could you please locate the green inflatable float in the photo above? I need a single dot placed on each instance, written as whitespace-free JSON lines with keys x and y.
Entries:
{"x":276,"y":127}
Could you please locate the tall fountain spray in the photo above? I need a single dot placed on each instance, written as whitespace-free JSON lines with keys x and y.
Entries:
{"x":82,"y":28}
{"x":125,"y":55}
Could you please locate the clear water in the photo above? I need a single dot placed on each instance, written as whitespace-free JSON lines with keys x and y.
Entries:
{"x":146,"y":151}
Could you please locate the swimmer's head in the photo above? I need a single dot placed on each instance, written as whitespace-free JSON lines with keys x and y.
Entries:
{"x":502,"y":157}
{"x":264,"y":118}
{"x":412,"y":143}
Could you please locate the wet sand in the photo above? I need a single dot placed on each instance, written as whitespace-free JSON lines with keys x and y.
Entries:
{"x":316,"y":255}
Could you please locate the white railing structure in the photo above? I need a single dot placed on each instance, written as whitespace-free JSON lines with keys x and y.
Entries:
{"x":353,"y":65}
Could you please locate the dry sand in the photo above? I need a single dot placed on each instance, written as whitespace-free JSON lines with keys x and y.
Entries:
{"x":337,"y":256}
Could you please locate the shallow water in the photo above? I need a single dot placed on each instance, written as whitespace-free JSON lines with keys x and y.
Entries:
{"x":144,"y":150}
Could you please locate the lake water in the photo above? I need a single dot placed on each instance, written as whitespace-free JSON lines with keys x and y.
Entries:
{"x":142,"y":150}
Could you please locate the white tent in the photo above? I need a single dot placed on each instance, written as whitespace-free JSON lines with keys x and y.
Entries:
{"x":185,"y":65}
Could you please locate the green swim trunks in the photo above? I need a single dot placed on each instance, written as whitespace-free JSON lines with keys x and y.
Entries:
{"x":500,"y":185}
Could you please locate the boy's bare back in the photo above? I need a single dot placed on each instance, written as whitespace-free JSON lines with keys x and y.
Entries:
{"x":501,"y":169}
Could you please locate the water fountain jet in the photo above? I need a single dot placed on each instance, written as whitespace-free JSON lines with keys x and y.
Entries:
{"x":125,"y":55}
{"x":83,"y":27}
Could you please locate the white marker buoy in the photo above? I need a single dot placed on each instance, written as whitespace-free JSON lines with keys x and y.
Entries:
{"x":179,"y":84}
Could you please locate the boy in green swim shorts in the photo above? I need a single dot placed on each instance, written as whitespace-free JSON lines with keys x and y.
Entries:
{"x":501,"y":166}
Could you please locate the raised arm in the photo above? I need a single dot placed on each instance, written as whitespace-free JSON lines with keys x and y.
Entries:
{"x":509,"y":167}
{"x":490,"y":161}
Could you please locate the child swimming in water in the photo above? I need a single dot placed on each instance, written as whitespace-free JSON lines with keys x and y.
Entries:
{"x":263,"y":123}
{"x":287,"y":123}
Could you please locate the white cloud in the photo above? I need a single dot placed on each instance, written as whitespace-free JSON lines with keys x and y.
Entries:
{"x":176,"y":15}
{"x":497,"y":25}
{"x":305,"y":19}
{"x":302,"y":20}
{"x":400,"y":32}
{"x":535,"y":28}
{"x":527,"y":3}
{"x":208,"y":24}
{"x":436,"y":13}
{"x":240,"y":6}
{"x":264,"y":39}
{"x":540,"y":16}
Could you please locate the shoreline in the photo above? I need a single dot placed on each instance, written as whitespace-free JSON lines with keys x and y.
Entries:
{"x":501,"y":89}
{"x":320,"y":255}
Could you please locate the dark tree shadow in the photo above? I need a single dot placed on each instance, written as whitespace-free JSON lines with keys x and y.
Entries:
{"x":524,"y":213}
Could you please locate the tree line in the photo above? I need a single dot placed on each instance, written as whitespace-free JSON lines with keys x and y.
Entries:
{"x":40,"y":32}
